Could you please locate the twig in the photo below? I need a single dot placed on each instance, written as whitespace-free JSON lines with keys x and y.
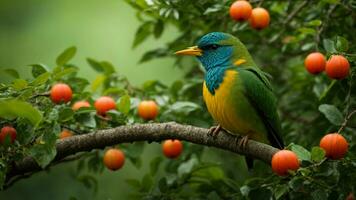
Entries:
{"x":45,"y":94}
{"x":322,"y":27}
{"x":346,"y":120}
{"x":71,"y":129}
{"x":295,"y":12}
{"x":260,"y":3}
{"x":289,"y":18}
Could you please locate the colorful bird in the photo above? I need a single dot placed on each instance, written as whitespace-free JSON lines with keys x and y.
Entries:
{"x":237,"y":93}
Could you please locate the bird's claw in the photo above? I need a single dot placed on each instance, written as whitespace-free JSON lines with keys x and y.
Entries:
{"x":214,"y":131}
{"x":242,"y":143}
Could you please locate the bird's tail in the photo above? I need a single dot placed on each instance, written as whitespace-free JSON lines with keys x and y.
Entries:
{"x":249,"y":163}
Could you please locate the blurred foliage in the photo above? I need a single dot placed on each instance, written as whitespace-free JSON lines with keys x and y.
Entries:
{"x":310,"y":106}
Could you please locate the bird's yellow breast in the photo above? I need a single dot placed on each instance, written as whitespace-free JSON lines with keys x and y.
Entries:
{"x":220,"y":105}
{"x":231,"y":109}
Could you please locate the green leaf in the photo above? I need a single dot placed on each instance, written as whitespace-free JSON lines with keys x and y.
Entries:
{"x":133,"y":153}
{"x":78,"y":84}
{"x":19,"y":84}
{"x":65,"y":114}
{"x":156,"y":53}
{"x":319,"y":194}
{"x":342,"y":44}
{"x":133,"y":183}
{"x":184,"y":107}
{"x":187,"y":167}
{"x":85,"y":119}
{"x":64,"y":72}
{"x":89,"y":182}
{"x":45,"y":151}
{"x":108,"y":67}
{"x":315,"y":23}
{"x":301,"y":152}
{"x":162,"y":185}
{"x":158,"y":28}
{"x":41,"y":79}
{"x":280,"y":190}
{"x":307,"y":46}
{"x":317,"y":154}
{"x":329,"y":46}
{"x":95,"y":65}
{"x":332,"y":114}
{"x":11,"y":72}
{"x":142,"y":34}
{"x":307,"y":31}
{"x":3,"y":171}
{"x":154,"y":165}
{"x":211,"y":172}
{"x":114,"y":91}
{"x":146,"y":183}
{"x":124,"y":105}
{"x":11,"y":109}
{"x":38,"y":69}
{"x":296,"y":183}
{"x":66,"y":55}
{"x":260,"y":193}
{"x":99,"y":80}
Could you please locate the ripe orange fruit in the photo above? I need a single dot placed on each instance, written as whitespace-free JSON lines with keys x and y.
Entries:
{"x":259,"y":18}
{"x":7,"y":130}
{"x":65,"y":133}
{"x":104,"y":104}
{"x":315,"y":63}
{"x":61,"y":92}
{"x":337,"y":67}
{"x":172,"y":148}
{"x":148,"y":110}
{"x":350,"y":196}
{"x":114,"y":159}
{"x":284,"y":160}
{"x":335,"y":145}
{"x":240,"y":10}
{"x":80,"y":104}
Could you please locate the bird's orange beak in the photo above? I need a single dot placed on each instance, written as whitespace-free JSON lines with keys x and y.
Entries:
{"x":191,"y":51}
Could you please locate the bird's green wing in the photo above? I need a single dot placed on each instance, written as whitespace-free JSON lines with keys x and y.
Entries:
{"x":258,"y":90}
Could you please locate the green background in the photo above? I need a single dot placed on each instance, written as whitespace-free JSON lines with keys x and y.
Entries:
{"x":36,"y":31}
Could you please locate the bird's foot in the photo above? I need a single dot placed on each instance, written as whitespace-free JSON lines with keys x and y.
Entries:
{"x":242,"y":143}
{"x":214,"y":130}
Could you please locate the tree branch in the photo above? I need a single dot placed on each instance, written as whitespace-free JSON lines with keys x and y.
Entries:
{"x":144,"y":132}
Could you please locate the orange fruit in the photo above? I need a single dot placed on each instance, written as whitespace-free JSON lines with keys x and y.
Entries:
{"x":80,"y":104}
{"x":337,"y":67}
{"x":240,"y":10}
{"x":61,"y":92}
{"x":8,"y":130}
{"x":350,"y":196}
{"x":335,"y":145}
{"x":259,"y":18}
{"x":315,"y":63}
{"x":172,"y":148}
{"x":114,"y":159}
{"x":65,"y":133}
{"x":148,"y":110}
{"x":284,"y":160}
{"x":104,"y":104}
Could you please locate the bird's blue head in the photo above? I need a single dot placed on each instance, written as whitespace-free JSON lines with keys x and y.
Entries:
{"x":213,"y":50}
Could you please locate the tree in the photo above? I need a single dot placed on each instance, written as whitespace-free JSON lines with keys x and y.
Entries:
{"x":310,"y":106}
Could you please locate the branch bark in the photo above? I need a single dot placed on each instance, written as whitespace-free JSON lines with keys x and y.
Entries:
{"x":145,"y":132}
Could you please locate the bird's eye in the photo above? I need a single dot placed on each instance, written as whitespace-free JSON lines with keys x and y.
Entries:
{"x":214,"y":46}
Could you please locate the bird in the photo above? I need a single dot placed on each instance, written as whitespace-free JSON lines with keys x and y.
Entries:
{"x":237,"y":93}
